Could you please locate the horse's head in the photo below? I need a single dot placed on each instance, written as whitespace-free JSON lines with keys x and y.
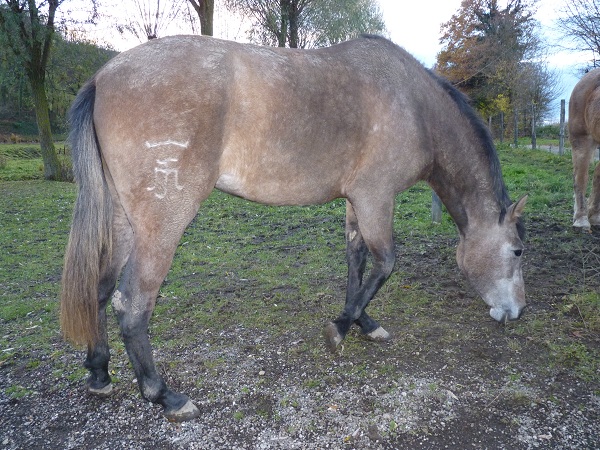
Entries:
{"x":490,"y":258}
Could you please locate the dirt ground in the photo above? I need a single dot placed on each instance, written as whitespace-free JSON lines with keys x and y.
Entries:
{"x":450,"y":378}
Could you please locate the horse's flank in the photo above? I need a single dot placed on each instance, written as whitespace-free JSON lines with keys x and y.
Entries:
{"x":279,"y":119}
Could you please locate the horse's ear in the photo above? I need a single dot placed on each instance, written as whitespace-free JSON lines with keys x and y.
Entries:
{"x":516,"y":209}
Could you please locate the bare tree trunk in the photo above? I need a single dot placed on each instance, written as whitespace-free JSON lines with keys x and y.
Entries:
{"x":285,"y":7}
{"x":205,"y":10}
{"x":206,"y":20}
{"x":533,"y":133}
{"x":52,"y":167}
{"x":293,"y":16}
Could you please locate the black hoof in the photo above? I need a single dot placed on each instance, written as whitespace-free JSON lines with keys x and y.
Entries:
{"x":99,"y":389}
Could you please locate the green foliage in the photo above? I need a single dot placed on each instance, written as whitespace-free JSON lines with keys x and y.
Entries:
{"x":309,"y":23}
{"x":72,"y":63}
{"x":335,"y":21}
{"x":15,"y":98}
{"x":548,"y":131}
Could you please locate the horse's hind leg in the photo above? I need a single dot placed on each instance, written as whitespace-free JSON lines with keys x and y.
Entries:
{"x":98,"y":356}
{"x":582,"y":154}
{"x":156,"y":237}
{"x":367,"y":224}
{"x":594,"y":200}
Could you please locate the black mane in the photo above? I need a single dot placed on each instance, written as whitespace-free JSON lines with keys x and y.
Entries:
{"x":485,"y":138}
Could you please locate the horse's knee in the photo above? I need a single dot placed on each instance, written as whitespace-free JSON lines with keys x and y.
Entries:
{"x":387,"y":263}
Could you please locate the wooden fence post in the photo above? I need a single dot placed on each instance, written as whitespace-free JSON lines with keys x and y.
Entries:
{"x":561,"y":135}
{"x":436,"y":208}
{"x":533,"y":134}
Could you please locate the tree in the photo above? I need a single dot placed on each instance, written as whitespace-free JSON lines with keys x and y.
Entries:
{"x":73,"y":61}
{"x":147,"y":19}
{"x":308,"y":23}
{"x":28,"y":32}
{"x":494,"y":55}
{"x":336,"y":21}
{"x":580,"y":23}
{"x":484,"y":45}
{"x":14,"y":94}
{"x":205,"y":10}
{"x":274,"y":22}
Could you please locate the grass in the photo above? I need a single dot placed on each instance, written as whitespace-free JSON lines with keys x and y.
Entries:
{"x":20,"y":162}
{"x":246,"y":266}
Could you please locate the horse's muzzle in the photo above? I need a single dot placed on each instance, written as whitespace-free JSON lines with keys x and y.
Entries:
{"x":503,"y":315}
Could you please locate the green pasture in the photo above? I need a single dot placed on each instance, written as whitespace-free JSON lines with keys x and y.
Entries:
{"x":245,"y":265}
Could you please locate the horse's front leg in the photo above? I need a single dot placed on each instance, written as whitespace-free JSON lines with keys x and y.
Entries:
{"x":358,"y":295}
{"x":134,"y":302}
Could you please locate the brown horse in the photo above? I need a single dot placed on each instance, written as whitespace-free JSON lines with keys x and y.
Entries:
{"x":161,"y":126}
{"x":584,"y":134}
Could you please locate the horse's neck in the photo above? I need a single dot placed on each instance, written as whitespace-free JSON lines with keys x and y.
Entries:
{"x":466,"y":187}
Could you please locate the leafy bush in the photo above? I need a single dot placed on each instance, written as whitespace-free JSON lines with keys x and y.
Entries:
{"x":549,"y":131}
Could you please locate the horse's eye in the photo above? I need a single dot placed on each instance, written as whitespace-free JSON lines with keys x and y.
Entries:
{"x":518,"y":252}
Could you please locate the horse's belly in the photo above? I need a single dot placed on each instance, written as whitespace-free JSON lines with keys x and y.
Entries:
{"x":276,"y":190}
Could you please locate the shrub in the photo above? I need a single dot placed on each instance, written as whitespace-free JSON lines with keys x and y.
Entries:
{"x":549,"y":131}
{"x":66,"y":169}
